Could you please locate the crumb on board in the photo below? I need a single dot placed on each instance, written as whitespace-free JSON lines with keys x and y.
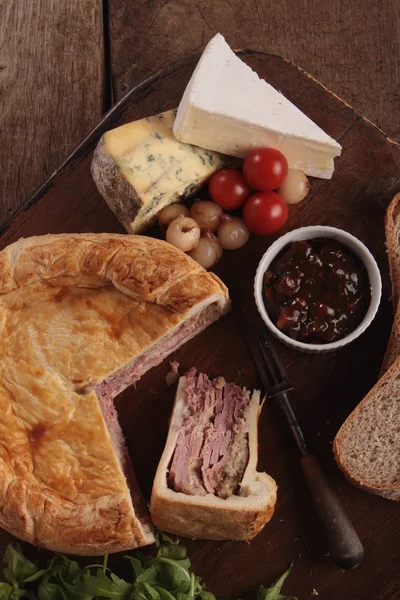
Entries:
{"x":173,"y":373}
{"x":314,"y":592}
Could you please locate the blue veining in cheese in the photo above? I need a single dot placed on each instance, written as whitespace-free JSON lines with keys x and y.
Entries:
{"x":159,"y":168}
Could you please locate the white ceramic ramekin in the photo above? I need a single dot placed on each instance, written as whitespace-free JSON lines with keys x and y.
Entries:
{"x":308,"y":233}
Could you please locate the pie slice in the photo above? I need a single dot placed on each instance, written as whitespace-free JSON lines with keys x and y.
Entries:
{"x":83,"y":317}
{"x":207,"y":484}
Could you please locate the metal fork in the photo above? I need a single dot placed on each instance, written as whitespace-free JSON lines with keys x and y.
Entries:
{"x":344,"y":544}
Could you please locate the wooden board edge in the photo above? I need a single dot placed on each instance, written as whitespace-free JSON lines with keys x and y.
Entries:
{"x":359,"y":116}
{"x":94,"y":134}
{"x":101,"y":127}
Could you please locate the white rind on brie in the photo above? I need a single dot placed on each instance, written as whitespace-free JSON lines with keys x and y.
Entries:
{"x":227,"y":108}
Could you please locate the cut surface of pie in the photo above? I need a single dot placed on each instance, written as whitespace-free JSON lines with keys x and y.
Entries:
{"x":82,"y":317}
{"x":207,"y":484}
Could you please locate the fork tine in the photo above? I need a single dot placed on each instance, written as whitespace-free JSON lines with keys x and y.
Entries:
{"x":268,"y":387}
{"x":268,"y":363}
{"x":277,"y":362}
{"x":269,"y":366}
{"x":247,"y":327}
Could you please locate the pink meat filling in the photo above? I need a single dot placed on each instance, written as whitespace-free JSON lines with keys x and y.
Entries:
{"x":129,"y":374}
{"x":212,"y":449}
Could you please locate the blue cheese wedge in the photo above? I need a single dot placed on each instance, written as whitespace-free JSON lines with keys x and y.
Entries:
{"x":226,"y":107}
{"x":141,"y":167}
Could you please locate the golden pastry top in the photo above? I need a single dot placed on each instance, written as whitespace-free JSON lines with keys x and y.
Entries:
{"x":73,"y":310}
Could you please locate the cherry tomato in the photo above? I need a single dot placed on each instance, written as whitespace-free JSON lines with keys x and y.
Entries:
{"x":265,"y":168}
{"x":228,"y":189}
{"x":265,"y":213}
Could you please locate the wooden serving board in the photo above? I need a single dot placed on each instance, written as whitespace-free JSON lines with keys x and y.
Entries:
{"x":327,"y":387}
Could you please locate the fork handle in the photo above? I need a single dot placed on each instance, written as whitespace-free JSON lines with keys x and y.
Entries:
{"x":344,"y":544}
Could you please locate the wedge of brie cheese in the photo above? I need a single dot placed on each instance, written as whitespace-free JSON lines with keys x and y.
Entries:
{"x":226,"y":107}
{"x":141,"y":167}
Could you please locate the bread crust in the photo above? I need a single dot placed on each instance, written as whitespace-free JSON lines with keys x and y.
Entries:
{"x":392,"y":491}
{"x":73,"y":310}
{"x":392,"y":232}
{"x":393,"y":347}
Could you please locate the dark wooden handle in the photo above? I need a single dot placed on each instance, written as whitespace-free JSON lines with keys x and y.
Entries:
{"x":344,"y":544}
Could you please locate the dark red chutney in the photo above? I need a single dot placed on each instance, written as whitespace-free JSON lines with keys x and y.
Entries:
{"x":316,"y":291}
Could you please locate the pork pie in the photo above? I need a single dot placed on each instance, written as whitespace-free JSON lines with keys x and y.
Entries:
{"x":207,"y":484}
{"x":82,"y":317}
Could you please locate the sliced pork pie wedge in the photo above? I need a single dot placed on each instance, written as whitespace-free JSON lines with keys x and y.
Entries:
{"x":82,"y":318}
{"x":207,"y":485}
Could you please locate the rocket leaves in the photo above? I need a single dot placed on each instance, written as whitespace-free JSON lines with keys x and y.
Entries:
{"x":165,"y":575}
{"x":274,"y":592}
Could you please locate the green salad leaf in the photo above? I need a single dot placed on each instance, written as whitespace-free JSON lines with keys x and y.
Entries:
{"x":100,"y":584}
{"x":165,"y":575}
{"x":274,"y":592}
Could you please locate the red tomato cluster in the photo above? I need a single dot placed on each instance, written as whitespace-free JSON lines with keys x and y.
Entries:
{"x":264,"y":169}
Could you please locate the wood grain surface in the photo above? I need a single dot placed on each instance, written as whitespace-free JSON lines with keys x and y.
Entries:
{"x":51,"y":63}
{"x":51,"y":89}
{"x":327,"y":387}
{"x":353,"y":47}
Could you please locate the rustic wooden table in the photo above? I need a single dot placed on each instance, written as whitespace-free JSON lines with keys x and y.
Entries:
{"x":62,"y":64}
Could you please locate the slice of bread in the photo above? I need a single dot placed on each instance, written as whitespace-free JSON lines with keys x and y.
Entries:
{"x":367,"y":447}
{"x":392,"y":231}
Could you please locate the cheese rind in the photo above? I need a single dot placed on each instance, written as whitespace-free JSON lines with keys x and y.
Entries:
{"x":226,"y":107}
{"x":140,"y":167}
